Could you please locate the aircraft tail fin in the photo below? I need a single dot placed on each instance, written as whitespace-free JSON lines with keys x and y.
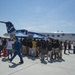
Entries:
{"x":10,"y":27}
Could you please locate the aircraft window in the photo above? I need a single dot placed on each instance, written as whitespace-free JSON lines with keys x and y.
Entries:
{"x":58,"y":35}
{"x":63,"y":34}
{"x":52,"y":35}
{"x":47,"y":35}
{"x":73,"y":34}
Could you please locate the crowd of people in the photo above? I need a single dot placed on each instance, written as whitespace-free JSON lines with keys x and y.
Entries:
{"x":49,"y":49}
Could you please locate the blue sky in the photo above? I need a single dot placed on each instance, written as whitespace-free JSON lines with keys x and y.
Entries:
{"x":38,"y":15}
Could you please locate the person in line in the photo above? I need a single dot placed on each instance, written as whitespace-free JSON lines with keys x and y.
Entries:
{"x":30,"y":47}
{"x":4,"y":48}
{"x":34,"y":45}
{"x":43,"y":50}
{"x":27,"y":48}
{"x":24,"y":44}
{"x":74,"y":47}
{"x":65,"y":46}
{"x":53,"y":50}
{"x":9,"y":47}
{"x":56,"y":46}
{"x":49,"y":48}
{"x":17,"y":47}
{"x":23,"y":47}
{"x":60,"y":49}
{"x":69,"y":46}
{"x":0,"y":46}
{"x":38,"y":47}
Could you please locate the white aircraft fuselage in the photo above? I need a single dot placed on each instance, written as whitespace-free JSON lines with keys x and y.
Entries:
{"x":60,"y":36}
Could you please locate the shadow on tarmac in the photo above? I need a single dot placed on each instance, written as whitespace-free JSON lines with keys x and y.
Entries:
{"x":56,"y":60}
{"x":43,"y":62}
{"x":14,"y":65}
{"x":4,"y":59}
{"x":32,"y":57}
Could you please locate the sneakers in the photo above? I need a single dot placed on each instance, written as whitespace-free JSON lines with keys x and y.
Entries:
{"x":21,"y":62}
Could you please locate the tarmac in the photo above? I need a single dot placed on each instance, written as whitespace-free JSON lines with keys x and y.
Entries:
{"x":32,"y":66}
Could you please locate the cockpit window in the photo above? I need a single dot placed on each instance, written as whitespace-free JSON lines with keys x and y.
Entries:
{"x":52,"y":35}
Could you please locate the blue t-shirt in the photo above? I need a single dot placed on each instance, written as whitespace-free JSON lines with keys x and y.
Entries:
{"x":17,"y":46}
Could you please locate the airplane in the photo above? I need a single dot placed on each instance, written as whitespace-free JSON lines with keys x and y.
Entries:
{"x":11,"y":31}
{"x":61,"y":36}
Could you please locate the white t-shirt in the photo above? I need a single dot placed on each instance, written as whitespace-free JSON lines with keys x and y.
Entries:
{"x":0,"y":42}
{"x":12,"y":42}
{"x":9,"y":45}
